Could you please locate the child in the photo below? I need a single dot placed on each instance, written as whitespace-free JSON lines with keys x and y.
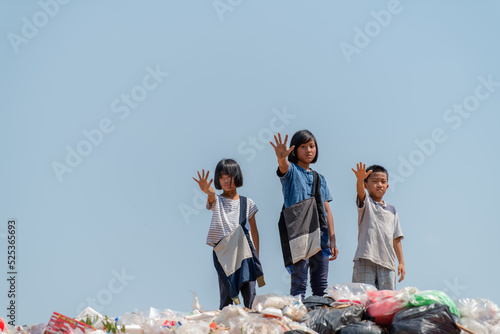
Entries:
{"x":227,"y":218}
{"x":379,"y":232}
{"x":297,"y":184}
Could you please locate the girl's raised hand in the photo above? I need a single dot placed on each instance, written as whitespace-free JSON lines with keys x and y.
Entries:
{"x":204,"y":183}
{"x":361,"y":173}
{"x":280,"y":148}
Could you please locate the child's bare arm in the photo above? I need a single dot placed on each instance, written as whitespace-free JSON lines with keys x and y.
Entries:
{"x":331,"y":232}
{"x":205,"y":185}
{"x":282,"y":152}
{"x":361,"y":175}
{"x":398,"y":248}
{"x":255,"y":233}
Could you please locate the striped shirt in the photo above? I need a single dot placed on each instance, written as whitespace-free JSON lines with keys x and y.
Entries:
{"x":226,"y":217}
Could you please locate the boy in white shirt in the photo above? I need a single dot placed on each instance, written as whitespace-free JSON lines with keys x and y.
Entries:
{"x":379,"y":232}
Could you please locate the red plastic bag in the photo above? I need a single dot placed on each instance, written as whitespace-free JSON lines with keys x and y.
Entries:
{"x":384,"y":304}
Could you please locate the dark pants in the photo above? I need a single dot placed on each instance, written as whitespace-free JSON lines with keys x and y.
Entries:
{"x":317,"y":265}
{"x":247,"y":291}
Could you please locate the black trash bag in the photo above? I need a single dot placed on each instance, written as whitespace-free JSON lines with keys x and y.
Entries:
{"x":296,"y":331}
{"x":314,"y":302}
{"x":431,"y":319}
{"x":363,"y":327}
{"x":330,"y":320}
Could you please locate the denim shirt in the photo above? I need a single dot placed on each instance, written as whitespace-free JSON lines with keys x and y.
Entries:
{"x":297,"y":185}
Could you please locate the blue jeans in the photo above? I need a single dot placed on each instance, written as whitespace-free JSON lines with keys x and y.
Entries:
{"x":317,"y":265}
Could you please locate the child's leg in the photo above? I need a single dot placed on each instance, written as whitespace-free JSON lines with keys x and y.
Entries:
{"x":299,"y":278}
{"x":364,"y":271}
{"x":224,"y":296}
{"x":318,"y":265}
{"x":386,"y":278}
{"x":248,"y":293}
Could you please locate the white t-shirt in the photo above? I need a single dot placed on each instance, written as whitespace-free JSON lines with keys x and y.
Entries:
{"x":378,"y":226}
{"x":226,"y":217}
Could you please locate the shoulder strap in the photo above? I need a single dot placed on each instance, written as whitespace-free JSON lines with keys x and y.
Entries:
{"x":317,"y":194}
{"x":243,"y":210}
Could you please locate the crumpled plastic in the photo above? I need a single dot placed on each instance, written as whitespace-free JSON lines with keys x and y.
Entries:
{"x":428,"y":297}
{"x":330,"y":320}
{"x":483,"y":310}
{"x":291,"y":307}
{"x":314,"y":302}
{"x":427,"y":319}
{"x":362,"y":327}
{"x":481,"y":316}
{"x":382,"y":305}
{"x":353,"y":293}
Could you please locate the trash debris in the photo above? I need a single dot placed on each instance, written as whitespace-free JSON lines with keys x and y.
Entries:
{"x":422,"y":298}
{"x":352,"y":293}
{"x":61,"y":323}
{"x":428,"y":319}
{"x":330,"y":320}
{"x":314,"y":302}
{"x":382,"y":305}
{"x":479,"y":315}
{"x":363,"y":327}
{"x":345,"y":309}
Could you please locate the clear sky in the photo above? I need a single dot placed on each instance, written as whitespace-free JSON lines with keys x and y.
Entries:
{"x":108,"y":109}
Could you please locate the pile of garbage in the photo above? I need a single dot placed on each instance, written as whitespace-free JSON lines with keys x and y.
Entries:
{"x":345,"y":309}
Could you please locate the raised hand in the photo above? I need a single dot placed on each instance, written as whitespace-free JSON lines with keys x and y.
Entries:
{"x":361,"y":173}
{"x":280,"y":148}
{"x":204,"y":184}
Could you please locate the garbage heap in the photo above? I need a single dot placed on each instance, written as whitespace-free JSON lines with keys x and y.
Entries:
{"x":345,"y":308}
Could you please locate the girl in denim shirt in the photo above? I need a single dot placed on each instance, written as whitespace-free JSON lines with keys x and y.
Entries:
{"x":297,"y":184}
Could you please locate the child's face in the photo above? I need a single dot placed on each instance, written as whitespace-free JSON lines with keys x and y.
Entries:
{"x":307,"y":152}
{"x":226,"y":182}
{"x":377,"y":185}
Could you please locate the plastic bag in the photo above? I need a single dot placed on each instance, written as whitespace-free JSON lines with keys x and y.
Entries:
{"x":363,"y":327}
{"x":198,"y":327}
{"x":136,"y":318}
{"x":428,"y":319}
{"x":476,"y":326}
{"x":231,"y":316}
{"x":330,"y":320}
{"x":296,"y":312}
{"x":350,"y":292}
{"x":258,"y":324}
{"x":482,"y":310}
{"x":382,"y":305}
{"x":314,"y":302}
{"x":428,"y":297}
{"x":291,"y":307}
{"x":196,"y":303}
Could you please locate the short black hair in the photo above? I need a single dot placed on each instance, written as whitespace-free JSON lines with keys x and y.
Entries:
{"x":377,"y":168}
{"x":228,"y":167}
{"x":299,"y":138}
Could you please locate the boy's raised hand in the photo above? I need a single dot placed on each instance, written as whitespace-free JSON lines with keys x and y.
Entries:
{"x":280,"y":148}
{"x":361,"y":173}
{"x":204,"y":183}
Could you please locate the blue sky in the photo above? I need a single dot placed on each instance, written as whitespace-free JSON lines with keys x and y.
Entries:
{"x":107,"y":110}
